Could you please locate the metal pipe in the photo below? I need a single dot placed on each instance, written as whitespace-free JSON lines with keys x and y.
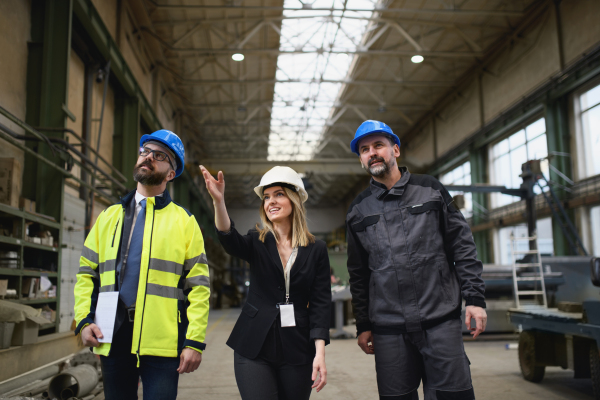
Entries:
{"x":68,"y":145}
{"x":22,"y":380}
{"x":107,"y":72}
{"x":73,"y":382}
{"x":72,"y":132}
{"x":52,"y":164}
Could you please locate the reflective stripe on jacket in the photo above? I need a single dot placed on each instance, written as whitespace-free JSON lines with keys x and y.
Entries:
{"x":173,"y":293}
{"x":411,"y":255}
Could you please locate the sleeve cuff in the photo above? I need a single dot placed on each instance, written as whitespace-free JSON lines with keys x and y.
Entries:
{"x":475,"y":301}
{"x":198,"y":346}
{"x":231,"y":228}
{"x":320,"y":333}
{"x":362,"y":327}
{"x":193,"y":348}
{"x":85,"y":322}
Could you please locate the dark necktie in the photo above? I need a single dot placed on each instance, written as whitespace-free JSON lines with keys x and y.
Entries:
{"x":129,"y":288}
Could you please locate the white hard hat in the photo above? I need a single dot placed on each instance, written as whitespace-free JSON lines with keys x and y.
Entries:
{"x":282,"y":175}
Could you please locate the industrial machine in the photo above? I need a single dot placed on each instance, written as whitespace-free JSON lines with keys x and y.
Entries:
{"x":567,"y":336}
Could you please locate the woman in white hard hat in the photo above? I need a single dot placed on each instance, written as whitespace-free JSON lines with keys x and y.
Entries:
{"x":280,"y":336}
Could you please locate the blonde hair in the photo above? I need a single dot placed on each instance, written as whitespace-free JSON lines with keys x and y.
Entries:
{"x":301,"y":237}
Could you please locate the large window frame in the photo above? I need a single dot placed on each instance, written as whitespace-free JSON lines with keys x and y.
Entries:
{"x":506,"y":156}
{"x":460,"y":175}
{"x":502,"y":244}
{"x":586,"y":108}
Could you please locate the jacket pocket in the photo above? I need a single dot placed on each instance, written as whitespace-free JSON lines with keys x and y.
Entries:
{"x":301,"y":320}
{"x":249,"y":310}
{"x":423,"y":226}
{"x":367,"y":221}
{"x":368,"y":232}
{"x":446,"y":279}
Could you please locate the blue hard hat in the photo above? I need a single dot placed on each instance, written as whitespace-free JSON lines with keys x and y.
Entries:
{"x":172,"y":141}
{"x":371,"y":127}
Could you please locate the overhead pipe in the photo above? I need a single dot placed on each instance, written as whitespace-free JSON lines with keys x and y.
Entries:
{"x":76,"y":136}
{"x":17,"y":143}
{"x":69,"y":146}
{"x":73,"y":382}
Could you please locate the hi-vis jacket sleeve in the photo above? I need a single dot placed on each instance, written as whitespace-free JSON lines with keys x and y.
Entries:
{"x":197,"y":287}
{"x":88,"y":281}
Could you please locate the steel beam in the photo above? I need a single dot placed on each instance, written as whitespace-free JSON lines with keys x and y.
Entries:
{"x":210,"y":52}
{"x":389,"y":83}
{"x":407,"y":21}
{"x":257,"y":167}
{"x":47,"y":98}
{"x":125,"y":138}
{"x":478,"y":159}
{"x":558,"y":138}
{"x":415,"y":107}
{"x":89,"y":17}
{"x":308,"y":7}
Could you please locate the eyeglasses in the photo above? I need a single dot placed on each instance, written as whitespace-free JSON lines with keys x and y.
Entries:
{"x":156,"y":154}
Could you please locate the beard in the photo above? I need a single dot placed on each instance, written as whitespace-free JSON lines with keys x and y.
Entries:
{"x":378,"y":170}
{"x":148,"y":178}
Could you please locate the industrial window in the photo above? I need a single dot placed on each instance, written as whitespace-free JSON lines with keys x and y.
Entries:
{"x":460,"y":175}
{"x":508,"y":155}
{"x":504,"y":246}
{"x":595,"y":221}
{"x":589,"y":117}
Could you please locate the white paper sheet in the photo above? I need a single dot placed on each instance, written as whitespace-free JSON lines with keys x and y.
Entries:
{"x":106,"y":312}
{"x":45,"y":283}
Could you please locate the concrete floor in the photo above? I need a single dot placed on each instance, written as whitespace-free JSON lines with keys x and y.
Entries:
{"x":495,"y":371}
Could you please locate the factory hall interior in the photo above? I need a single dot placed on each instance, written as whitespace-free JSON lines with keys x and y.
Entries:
{"x":294,"y":199}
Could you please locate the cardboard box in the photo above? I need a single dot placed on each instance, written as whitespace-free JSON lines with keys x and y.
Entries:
{"x":26,"y":332}
{"x":30,"y":287}
{"x":27,"y":205}
{"x":3,"y":287}
{"x":10,"y":181}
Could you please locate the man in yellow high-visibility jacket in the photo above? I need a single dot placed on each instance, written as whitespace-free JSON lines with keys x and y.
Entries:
{"x":151,"y":251}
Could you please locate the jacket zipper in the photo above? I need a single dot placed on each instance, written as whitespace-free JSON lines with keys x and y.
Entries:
{"x":146,"y":291}
{"x":115,"y":233}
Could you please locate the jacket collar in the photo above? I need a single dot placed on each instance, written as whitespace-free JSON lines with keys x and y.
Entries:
{"x":380,"y":190}
{"x":160,"y":202}
{"x":301,"y":257}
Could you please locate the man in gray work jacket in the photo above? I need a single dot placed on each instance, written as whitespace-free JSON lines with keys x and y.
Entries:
{"x":411,"y":259}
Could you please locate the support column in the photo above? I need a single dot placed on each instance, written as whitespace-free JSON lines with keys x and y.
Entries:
{"x":125,"y":140}
{"x":47,"y":94}
{"x":557,"y":133}
{"x":483,"y":240}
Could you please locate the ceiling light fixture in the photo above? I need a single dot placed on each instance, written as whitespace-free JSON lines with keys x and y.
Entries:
{"x":237,"y":57}
{"x":417,"y":59}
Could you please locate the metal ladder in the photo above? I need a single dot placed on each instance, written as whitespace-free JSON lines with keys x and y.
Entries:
{"x":536,"y":278}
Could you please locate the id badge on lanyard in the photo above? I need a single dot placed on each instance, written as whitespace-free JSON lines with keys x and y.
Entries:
{"x":286,"y":310}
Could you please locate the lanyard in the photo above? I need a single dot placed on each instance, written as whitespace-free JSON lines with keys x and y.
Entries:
{"x":288,"y":268}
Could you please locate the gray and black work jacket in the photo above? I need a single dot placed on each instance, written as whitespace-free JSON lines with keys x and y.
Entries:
{"x":411,"y":255}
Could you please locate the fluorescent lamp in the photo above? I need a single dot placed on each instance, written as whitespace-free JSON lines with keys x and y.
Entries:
{"x":417,"y":59}
{"x":237,"y":57}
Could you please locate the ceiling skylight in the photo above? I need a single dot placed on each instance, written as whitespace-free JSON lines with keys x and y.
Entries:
{"x":302,"y":103}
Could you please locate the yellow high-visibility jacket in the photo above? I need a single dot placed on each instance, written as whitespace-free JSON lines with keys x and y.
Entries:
{"x":173,"y":293}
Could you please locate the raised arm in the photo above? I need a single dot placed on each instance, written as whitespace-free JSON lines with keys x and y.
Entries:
{"x":216,"y":189}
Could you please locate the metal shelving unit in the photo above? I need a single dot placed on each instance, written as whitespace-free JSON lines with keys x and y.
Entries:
{"x":32,"y":259}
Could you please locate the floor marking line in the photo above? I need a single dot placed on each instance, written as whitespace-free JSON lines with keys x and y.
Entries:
{"x":217,"y":322}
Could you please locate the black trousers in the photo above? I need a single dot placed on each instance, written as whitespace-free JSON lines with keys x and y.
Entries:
{"x":260,"y":379}
{"x":435,"y":356}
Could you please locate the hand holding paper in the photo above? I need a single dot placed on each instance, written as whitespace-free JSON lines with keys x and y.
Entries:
{"x":106,"y":311}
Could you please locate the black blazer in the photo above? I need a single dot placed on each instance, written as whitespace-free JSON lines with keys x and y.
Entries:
{"x":310,"y":292}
